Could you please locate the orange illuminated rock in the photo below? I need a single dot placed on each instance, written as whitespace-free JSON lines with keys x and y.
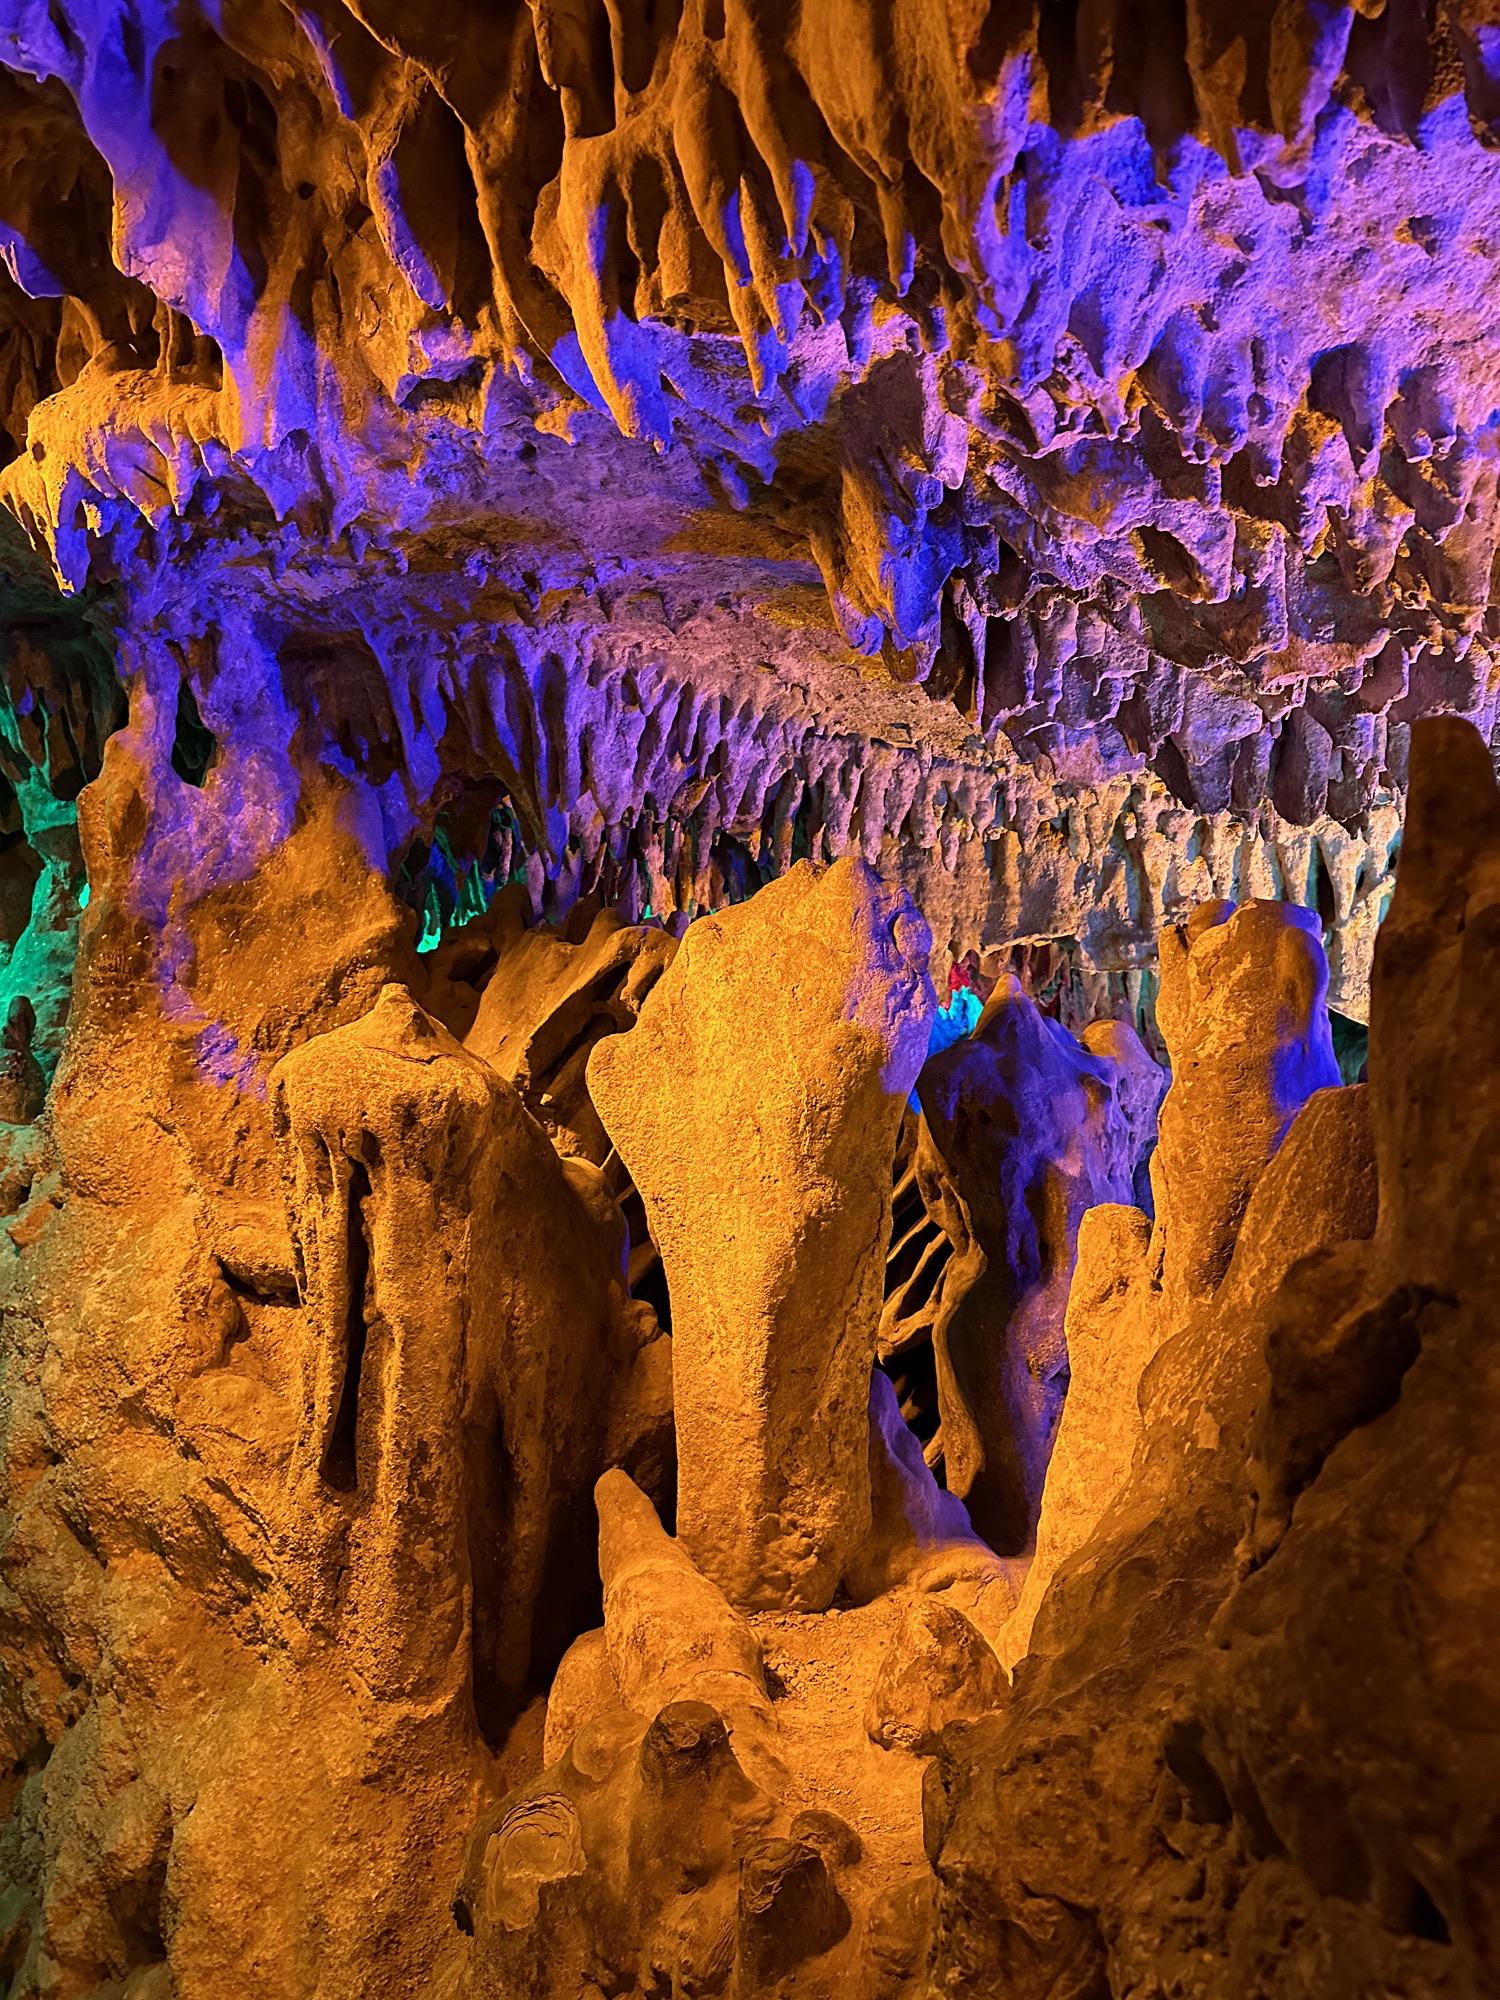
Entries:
{"x":461,"y":1307}
{"x":23,"y":1087}
{"x":920,"y":1535}
{"x":1112,"y":1332}
{"x":549,"y":999}
{"x":937,"y":1670}
{"x":756,"y":1104}
{"x":1242,"y":1011}
{"x":713,"y":1817}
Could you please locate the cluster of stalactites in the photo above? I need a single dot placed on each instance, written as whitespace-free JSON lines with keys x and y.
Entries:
{"x":1003,"y":327}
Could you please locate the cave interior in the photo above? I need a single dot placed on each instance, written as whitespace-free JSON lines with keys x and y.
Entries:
{"x":750,"y":973}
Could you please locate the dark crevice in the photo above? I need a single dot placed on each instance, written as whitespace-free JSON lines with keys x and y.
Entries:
{"x":1325,"y":900}
{"x":913,"y":1374}
{"x":340,"y":1456}
{"x":194,"y":745}
{"x":1424,"y":1919}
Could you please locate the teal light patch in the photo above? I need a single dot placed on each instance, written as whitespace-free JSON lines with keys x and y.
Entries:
{"x":83,"y":897}
{"x":432,"y":923}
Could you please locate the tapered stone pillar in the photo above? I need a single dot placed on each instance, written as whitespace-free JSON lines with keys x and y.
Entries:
{"x":756,"y":1103}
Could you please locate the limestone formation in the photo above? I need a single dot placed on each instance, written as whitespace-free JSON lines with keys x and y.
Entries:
{"x":1111,"y":1331}
{"x":1026,"y":1131}
{"x":1376,"y":1455}
{"x":666,"y":1843}
{"x":23,"y":1087}
{"x":920,"y":1534}
{"x":938,"y":1670}
{"x":1066,"y":437}
{"x":465,"y":1325}
{"x":1242,"y":1011}
{"x":1240,"y":1707}
{"x":756,"y":1104}
{"x":566,"y":569}
{"x":544,"y":1000}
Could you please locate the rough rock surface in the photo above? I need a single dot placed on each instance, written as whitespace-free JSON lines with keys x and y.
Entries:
{"x":240,"y":1701}
{"x":1242,"y":1012}
{"x":482,"y":486}
{"x":545,"y":1003}
{"x":1270,"y":1684}
{"x":242,"y":1761}
{"x":1376,"y":1454}
{"x":756,"y":1104}
{"x":1023,"y":1131}
{"x":1070,"y":437}
{"x":1111,"y":1333}
{"x":467,"y":1321}
{"x":937,"y":1670}
{"x":920,"y":1534}
{"x":669,"y":1844}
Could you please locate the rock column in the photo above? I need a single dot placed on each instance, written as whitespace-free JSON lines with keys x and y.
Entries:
{"x":756,"y":1104}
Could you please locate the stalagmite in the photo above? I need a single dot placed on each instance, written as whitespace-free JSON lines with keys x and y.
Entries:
{"x":1027,"y":1132}
{"x":748,"y":1060}
{"x":756,"y":1103}
{"x":1241,"y":1010}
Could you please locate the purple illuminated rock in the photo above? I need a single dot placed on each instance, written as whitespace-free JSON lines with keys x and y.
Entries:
{"x":1026,"y":1132}
{"x":600,"y":457}
{"x":1104,"y":500}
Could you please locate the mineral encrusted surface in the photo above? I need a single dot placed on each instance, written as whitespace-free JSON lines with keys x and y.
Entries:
{"x":1048,"y":452}
{"x":566,"y":568}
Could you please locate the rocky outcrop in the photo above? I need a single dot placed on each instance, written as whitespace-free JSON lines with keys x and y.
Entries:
{"x":306,"y":1685}
{"x":938,"y":1670}
{"x":920,"y":1534}
{"x":1242,"y":1011}
{"x":1239,"y":1708}
{"x":534,"y":539}
{"x":1374,"y":1451}
{"x":756,"y":1103}
{"x":278,"y":1540}
{"x":668,"y":1842}
{"x":59,"y":701}
{"x":542,"y":1001}
{"x":467,"y":1323}
{"x":1111,"y":1332}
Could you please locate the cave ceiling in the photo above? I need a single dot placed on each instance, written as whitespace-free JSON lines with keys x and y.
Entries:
{"x":1050,"y":451}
